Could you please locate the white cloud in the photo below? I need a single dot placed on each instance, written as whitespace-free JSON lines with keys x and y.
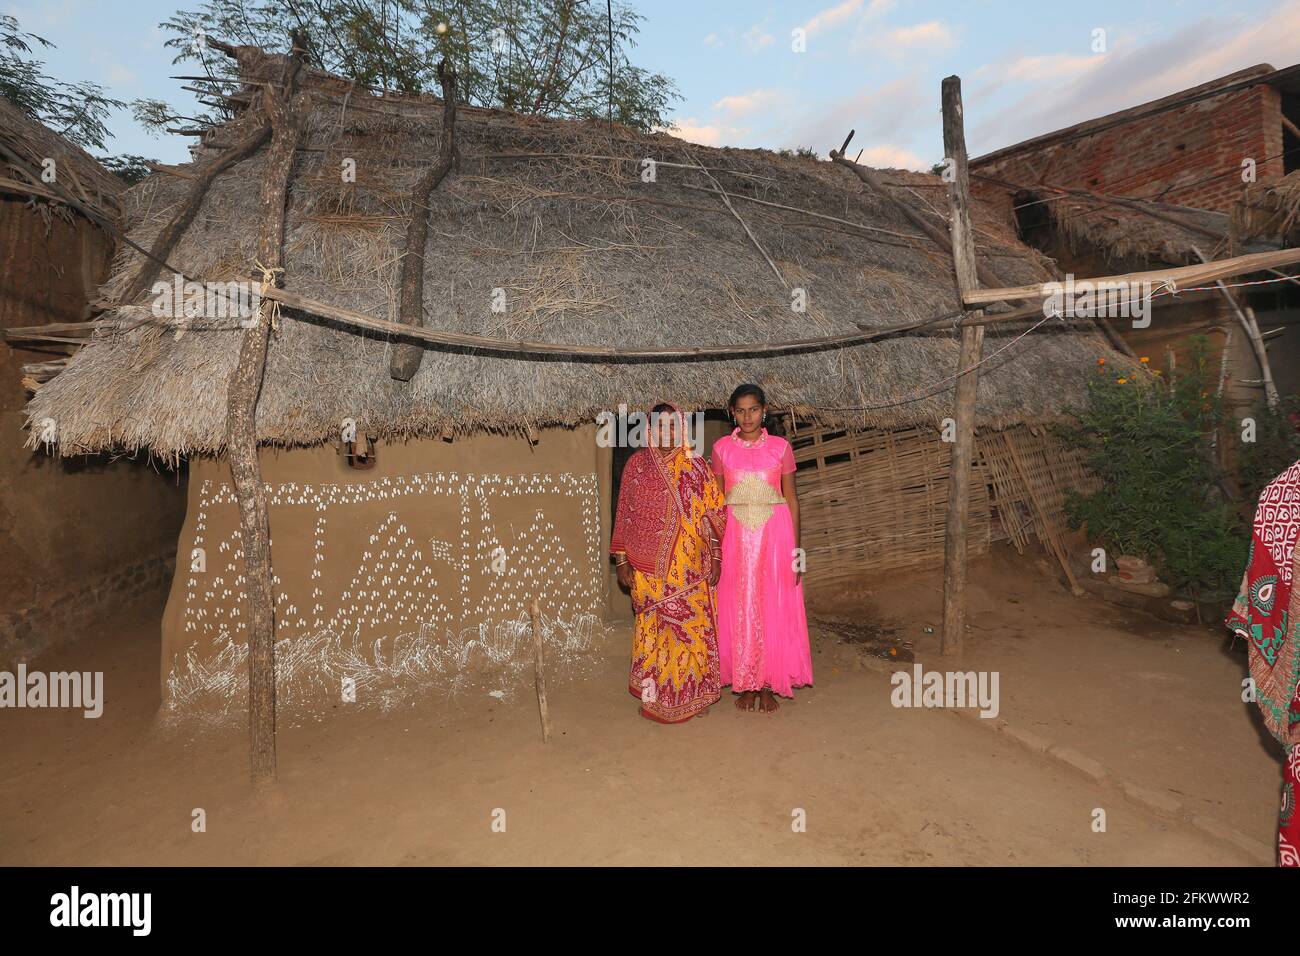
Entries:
{"x":712,"y":40}
{"x":889,"y":113}
{"x":706,"y":134}
{"x":757,"y":38}
{"x":832,"y":16}
{"x":931,"y":34}
{"x":743,"y":104}
{"x":1057,"y":92}
{"x":886,"y":156}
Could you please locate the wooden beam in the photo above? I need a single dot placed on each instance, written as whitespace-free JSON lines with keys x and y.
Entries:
{"x":189,"y":208}
{"x":936,"y":235}
{"x":241,"y":425}
{"x":1180,"y":276}
{"x":972,"y":341}
{"x":406,"y":356}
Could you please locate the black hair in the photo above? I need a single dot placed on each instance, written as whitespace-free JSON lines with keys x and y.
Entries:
{"x":747,"y":389}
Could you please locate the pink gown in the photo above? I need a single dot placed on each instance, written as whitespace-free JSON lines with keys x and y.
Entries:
{"x":762,"y":627}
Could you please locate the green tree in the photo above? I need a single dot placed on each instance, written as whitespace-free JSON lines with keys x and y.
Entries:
{"x":77,"y":111}
{"x":548,"y":57}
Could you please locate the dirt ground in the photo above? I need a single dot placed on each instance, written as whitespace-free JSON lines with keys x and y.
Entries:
{"x":1156,"y":703}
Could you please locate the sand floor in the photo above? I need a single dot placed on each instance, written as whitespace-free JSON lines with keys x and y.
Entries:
{"x":875,"y":784}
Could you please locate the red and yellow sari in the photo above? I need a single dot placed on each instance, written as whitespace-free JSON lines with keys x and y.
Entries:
{"x":668,"y":510}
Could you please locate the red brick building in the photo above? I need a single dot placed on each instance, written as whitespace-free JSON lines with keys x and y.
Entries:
{"x":1156,"y":185}
{"x":1185,"y":149}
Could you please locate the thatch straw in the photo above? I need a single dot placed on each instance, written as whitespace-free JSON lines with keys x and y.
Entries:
{"x":586,"y":252}
{"x":1124,"y":234}
{"x":74,"y":168}
{"x":1269,"y":211}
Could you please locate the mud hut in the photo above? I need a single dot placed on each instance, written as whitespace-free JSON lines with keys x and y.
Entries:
{"x":413,"y":518}
{"x":83,"y":536}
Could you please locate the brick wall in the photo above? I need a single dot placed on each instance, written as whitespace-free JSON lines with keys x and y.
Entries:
{"x":1177,"y":149}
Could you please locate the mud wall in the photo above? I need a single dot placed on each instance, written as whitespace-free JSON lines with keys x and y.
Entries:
{"x":79,"y":537}
{"x":392,"y":567}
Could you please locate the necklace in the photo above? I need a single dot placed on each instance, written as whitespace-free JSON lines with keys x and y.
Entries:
{"x":749,"y":444}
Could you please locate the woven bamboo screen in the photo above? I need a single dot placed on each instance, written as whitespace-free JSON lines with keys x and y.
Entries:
{"x":875,"y":500}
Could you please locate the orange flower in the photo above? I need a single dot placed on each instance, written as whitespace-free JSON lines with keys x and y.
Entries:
{"x":1101,"y":361}
{"x":1121,"y":380}
{"x":1144,"y":360}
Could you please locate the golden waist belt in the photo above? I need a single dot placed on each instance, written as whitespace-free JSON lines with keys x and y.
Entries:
{"x":752,"y":499}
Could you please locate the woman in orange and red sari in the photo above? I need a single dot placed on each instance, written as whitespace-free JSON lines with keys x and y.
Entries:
{"x":667,"y":551}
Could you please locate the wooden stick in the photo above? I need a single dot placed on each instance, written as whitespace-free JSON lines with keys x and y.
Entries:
{"x":1180,"y":275}
{"x":406,"y":356}
{"x":539,"y":677}
{"x":525,"y":348}
{"x":1247,"y":319}
{"x":935,"y":234}
{"x":241,"y":429}
{"x":175,"y":228}
{"x":972,"y":339}
{"x":744,"y":225}
{"x":807,"y":212}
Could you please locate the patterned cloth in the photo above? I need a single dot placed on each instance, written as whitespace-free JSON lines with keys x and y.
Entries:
{"x":762,"y":626}
{"x":668,"y":509}
{"x":1265,"y":615}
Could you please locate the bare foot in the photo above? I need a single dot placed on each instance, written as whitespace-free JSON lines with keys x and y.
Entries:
{"x":767,"y":702}
{"x":746,"y":700}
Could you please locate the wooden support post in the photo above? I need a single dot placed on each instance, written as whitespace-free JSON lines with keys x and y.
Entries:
{"x":406,"y":357}
{"x":972,"y":340}
{"x":539,"y":675}
{"x":1246,"y":316}
{"x":241,"y":427}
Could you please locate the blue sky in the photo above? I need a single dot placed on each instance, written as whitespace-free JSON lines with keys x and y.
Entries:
{"x":872,"y":65}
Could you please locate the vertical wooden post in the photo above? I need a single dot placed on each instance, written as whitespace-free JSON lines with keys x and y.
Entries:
{"x":1246,"y":316}
{"x":972,"y":340}
{"x":241,"y":428}
{"x":538,"y":674}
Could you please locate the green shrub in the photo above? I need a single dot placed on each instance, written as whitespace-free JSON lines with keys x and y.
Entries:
{"x":1149,"y":442}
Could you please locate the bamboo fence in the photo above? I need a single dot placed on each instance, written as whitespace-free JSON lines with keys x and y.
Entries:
{"x":876,"y":500}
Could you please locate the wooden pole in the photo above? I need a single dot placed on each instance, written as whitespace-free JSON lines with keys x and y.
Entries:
{"x":539,"y":676}
{"x":972,"y":340}
{"x":406,"y":356}
{"x":241,"y":431}
{"x":1246,"y":316}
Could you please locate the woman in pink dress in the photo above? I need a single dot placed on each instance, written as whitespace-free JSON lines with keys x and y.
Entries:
{"x":762,"y":630}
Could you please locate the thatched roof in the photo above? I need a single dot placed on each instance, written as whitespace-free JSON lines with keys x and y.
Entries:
{"x":75,"y":169}
{"x":586,"y":252}
{"x":1269,"y":211}
{"x":1141,"y":231}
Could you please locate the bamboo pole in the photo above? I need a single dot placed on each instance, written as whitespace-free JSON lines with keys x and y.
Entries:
{"x":1178,"y":276}
{"x":241,"y":429}
{"x":972,"y":340}
{"x":406,"y":356}
{"x":1246,"y":317}
{"x":539,"y":677}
